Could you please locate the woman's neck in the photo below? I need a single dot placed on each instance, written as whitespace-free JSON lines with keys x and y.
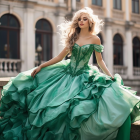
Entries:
{"x":84,"y":32}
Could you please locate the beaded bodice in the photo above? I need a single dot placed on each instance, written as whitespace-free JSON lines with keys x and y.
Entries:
{"x":80,"y":57}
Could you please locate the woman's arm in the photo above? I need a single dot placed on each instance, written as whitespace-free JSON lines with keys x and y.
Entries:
{"x":56,"y":59}
{"x":100,"y":61}
{"x":102,"y":64}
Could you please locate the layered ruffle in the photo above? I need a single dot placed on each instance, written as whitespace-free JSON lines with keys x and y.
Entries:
{"x":57,"y":106}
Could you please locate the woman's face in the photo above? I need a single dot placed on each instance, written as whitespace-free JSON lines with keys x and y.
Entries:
{"x":83,"y":21}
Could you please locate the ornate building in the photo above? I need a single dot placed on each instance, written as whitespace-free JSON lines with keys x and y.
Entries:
{"x":26,"y":24}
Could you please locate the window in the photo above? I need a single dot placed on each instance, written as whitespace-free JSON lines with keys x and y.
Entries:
{"x":94,"y":56}
{"x":117,"y":4}
{"x":97,"y":2}
{"x":135,"y":6}
{"x":136,"y":52}
{"x":9,"y":37}
{"x":118,"y":50}
{"x":43,"y":37}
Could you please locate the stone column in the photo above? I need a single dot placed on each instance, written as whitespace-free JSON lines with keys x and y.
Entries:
{"x":29,"y":38}
{"x":108,"y":7}
{"x":73,"y":5}
{"x":85,"y":3}
{"x":57,"y":44}
{"x":69,"y":6}
{"x":127,"y":10}
{"x":22,"y":49}
{"x":129,"y":50}
{"x":108,"y":50}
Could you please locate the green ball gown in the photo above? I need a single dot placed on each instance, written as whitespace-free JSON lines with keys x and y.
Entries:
{"x":69,"y":100}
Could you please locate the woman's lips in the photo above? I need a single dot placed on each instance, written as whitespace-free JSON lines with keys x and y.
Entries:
{"x":81,"y":24}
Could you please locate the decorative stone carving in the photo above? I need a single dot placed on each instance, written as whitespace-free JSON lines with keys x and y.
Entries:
{"x":129,"y":25}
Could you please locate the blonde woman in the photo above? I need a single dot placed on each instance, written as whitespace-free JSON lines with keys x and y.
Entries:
{"x":70,"y":99}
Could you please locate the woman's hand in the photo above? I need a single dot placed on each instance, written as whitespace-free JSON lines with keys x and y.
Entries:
{"x":112,"y":78}
{"x":35,"y":71}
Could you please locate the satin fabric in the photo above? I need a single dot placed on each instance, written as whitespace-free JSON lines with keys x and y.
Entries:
{"x":69,"y":100}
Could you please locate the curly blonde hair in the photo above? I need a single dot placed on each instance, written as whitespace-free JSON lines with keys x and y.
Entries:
{"x":70,"y":29}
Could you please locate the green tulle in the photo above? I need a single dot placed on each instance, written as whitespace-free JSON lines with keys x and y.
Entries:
{"x":69,"y":100}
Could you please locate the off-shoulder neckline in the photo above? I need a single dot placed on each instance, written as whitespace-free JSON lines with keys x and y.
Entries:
{"x":88,"y":44}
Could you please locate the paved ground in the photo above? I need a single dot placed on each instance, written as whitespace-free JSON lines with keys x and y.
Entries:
{"x":135,"y":131}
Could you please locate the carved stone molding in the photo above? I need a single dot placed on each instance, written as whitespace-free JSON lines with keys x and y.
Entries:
{"x":135,"y":18}
{"x":108,"y":22}
{"x":129,"y":25}
{"x":118,"y":14}
{"x":135,"y":33}
{"x":98,"y":10}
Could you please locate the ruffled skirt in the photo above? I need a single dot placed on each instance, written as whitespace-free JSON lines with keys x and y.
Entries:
{"x":54,"y":105}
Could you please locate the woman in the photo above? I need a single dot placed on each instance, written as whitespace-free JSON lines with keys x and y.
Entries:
{"x":70,"y":99}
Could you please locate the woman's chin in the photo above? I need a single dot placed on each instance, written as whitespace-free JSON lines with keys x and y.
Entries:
{"x":82,"y":27}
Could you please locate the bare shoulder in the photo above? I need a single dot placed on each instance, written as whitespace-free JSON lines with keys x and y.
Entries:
{"x":96,"y":40}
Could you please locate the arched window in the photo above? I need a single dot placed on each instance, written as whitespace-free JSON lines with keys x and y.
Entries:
{"x":117,"y":4}
{"x":118,"y":50}
{"x":43,"y":37}
{"x":9,"y":37}
{"x":136,"y":52}
{"x":135,"y":6}
{"x":94,"y":57}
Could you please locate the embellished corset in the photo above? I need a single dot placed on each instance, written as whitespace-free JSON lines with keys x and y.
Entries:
{"x":80,"y":57}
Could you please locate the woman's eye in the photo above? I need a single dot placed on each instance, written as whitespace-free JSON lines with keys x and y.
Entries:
{"x":79,"y":19}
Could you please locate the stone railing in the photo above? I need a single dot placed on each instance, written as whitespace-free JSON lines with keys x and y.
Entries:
{"x":122,"y":70}
{"x":136,"y":71}
{"x":10,"y":67}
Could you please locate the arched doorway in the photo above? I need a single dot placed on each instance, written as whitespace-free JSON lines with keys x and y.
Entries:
{"x":9,"y":44}
{"x":43,"y":37}
{"x":136,"y":52}
{"x":9,"y":37}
